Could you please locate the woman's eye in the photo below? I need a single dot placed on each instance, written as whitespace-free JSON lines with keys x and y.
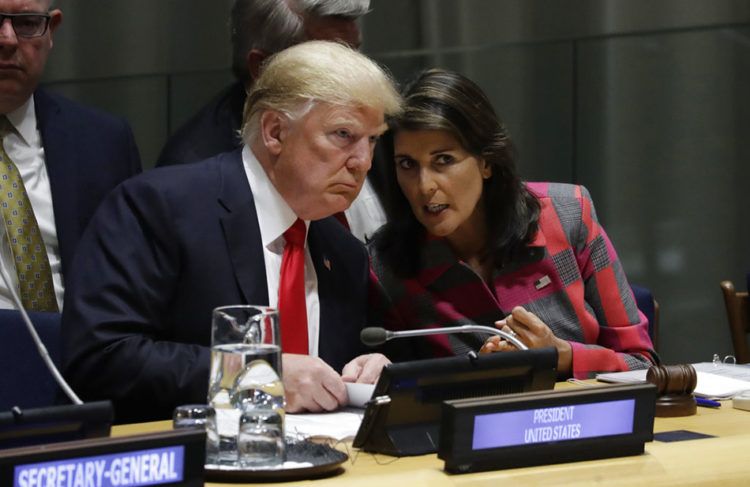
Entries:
{"x":404,"y":163}
{"x":444,"y":159}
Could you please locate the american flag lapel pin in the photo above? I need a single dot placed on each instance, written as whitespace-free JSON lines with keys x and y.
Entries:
{"x":327,"y":263}
{"x":542,"y":283}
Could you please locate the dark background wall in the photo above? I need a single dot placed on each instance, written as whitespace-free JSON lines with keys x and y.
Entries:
{"x":646,"y":103}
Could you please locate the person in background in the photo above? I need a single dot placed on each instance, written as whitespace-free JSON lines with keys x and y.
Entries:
{"x":58,"y":160}
{"x":260,"y":28}
{"x":477,"y":245}
{"x":172,"y":244}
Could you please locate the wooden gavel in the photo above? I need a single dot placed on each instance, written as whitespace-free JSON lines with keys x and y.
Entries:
{"x":675,"y":385}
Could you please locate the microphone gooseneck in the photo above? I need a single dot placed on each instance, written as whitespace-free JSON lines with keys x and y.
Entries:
{"x":374,"y":336}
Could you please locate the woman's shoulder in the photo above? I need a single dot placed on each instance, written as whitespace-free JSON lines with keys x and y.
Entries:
{"x":378,"y":247}
{"x":557,"y":191}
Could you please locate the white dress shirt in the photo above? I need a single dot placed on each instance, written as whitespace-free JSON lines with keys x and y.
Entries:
{"x":25,"y":149}
{"x":274,"y":218}
{"x":365,"y":215}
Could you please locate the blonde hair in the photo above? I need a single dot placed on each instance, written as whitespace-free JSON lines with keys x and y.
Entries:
{"x":318,"y":71}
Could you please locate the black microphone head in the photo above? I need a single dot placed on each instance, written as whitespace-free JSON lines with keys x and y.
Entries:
{"x":373,"y":336}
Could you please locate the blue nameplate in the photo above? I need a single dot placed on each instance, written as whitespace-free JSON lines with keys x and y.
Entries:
{"x":546,"y":427}
{"x":171,"y":457}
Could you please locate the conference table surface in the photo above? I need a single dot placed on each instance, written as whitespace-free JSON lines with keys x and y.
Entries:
{"x":721,"y":459}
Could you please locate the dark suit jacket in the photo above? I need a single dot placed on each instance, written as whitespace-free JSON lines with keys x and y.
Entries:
{"x":87,"y":154}
{"x":214,"y":129}
{"x":165,"y":249}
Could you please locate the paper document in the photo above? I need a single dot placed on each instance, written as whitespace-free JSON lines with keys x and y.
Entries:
{"x":359,"y":394}
{"x":722,"y":382}
{"x":338,"y":426}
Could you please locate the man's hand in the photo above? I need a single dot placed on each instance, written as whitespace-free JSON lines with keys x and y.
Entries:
{"x":365,"y":369}
{"x":311,"y":384}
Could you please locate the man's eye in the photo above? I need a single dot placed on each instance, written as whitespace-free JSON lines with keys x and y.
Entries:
{"x":374,"y":139}
{"x":344,"y":134}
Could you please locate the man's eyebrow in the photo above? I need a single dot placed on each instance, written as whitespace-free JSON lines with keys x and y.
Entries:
{"x":343,"y":120}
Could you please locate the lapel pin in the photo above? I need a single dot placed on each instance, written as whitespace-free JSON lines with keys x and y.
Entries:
{"x":542,"y":283}
{"x":327,"y":263}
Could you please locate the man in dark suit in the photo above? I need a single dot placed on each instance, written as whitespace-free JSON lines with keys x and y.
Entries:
{"x":63,"y":158}
{"x":169,"y":246}
{"x":261,"y":28}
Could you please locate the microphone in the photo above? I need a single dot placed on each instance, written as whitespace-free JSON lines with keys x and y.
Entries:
{"x":38,"y":341}
{"x":373,"y":336}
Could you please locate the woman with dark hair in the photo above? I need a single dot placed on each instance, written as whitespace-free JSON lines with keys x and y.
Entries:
{"x":468,"y":242}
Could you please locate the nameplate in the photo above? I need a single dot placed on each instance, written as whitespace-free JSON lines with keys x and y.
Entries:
{"x":539,"y":428}
{"x":170,"y":457}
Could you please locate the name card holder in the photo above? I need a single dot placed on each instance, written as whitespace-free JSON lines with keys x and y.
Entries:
{"x":174,"y":457}
{"x":539,"y":428}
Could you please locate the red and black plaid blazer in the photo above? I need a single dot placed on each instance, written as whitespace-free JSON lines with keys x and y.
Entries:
{"x":571,"y":278}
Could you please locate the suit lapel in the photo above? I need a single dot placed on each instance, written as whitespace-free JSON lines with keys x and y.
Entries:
{"x":240,"y":225}
{"x":60,"y":156}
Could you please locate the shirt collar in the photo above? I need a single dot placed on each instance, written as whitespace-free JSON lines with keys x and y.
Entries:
{"x":274,"y":214}
{"x":23,"y":119}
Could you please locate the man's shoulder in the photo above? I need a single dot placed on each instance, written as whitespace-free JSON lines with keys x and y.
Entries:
{"x":49,"y":103}
{"x":212,"y":130}
{"x":184,"y":185}
{"x":330,"y":235}
{"x":177,"y":176}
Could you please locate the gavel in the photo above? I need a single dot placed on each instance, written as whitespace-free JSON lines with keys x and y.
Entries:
{"x":675,"y":385}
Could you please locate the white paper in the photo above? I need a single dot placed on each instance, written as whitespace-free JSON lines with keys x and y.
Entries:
{"x":714,"y":385}
{"x":338,"y":425}
{"x":359,"y":394}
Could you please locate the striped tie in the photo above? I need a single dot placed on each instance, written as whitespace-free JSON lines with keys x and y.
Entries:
{"x":26,"y":244}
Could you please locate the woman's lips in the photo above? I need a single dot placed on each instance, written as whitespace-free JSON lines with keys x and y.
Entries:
{"x":434,"y":209}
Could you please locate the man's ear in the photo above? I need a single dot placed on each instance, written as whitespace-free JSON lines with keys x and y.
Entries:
{"x":55,"y":19}
{"x":254,"y":62}
{"x":273,"y":129}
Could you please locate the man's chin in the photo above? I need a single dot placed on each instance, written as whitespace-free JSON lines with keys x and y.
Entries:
{"x":318,"y":212}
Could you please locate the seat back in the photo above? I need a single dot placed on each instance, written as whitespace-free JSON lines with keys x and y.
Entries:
{"x":649,"y":307}
{"x":739,"y":320}
{"x":24,"y":378}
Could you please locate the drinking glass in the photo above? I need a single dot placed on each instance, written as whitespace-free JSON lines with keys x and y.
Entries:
{"x":192,"y":416}
{"x":245,"y":381}
{"x":199,"y":416}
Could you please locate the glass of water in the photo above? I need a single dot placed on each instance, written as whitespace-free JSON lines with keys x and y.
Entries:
{"x":245,"y":386}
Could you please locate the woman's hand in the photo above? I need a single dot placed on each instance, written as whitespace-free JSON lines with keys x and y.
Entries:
{"x":534,"y":333}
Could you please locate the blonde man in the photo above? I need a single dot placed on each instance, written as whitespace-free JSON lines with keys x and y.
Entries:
{"x":259,"y":29}
{"x":169,"y":246}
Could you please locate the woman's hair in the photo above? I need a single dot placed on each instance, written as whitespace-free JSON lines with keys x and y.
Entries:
{"x":443,"y":100}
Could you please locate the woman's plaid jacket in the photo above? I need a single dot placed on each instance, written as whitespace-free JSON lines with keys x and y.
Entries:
{"x":571,"y":278}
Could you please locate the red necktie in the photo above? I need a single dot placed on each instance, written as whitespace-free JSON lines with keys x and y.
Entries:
{"x":292,"y":307}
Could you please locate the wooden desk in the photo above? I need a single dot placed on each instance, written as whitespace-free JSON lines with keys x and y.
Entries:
{"x":722,"y":460}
